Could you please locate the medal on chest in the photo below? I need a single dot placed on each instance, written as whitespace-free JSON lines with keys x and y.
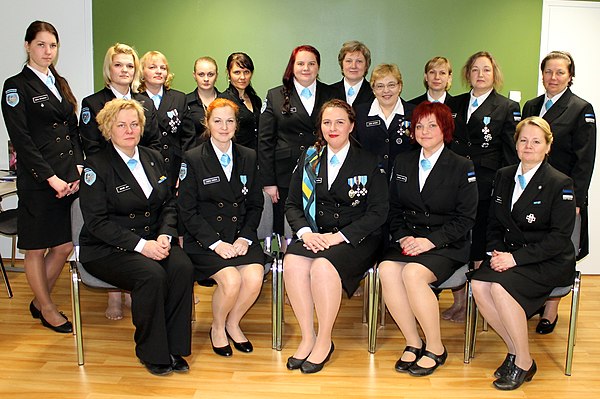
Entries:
{"x":487,"y":137}
{"x":244,"y":180}
{"x":174,"y":120}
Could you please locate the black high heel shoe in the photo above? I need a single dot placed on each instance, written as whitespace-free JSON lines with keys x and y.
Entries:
{"x":506,"y":366}
{"x":402,"y":366}
{"x":545,"y":326}
{"x":64,"y":328}
{"x":311,"y":368}
{"x":35,"y":312}
{"x":295,"y":363}
{"x":418,"y":371}
{"x":515,"y":378}
{"x":222,"y":350}
{"x":245,"y":346}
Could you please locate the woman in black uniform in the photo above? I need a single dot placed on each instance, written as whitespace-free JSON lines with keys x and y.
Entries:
{"x":177,"y":133}
{"x":240,"y":69}
{"x":288,"y":125}
{"x":129,"y":237}
{"x":220,"y":203}
{"x":433,"y":201}
{"x":337,"y":204}
{"x":573,"y":124}
{"x":529,"y":239}
{"x":40,"y":114}
{"x":205,"y":74}
{"x":437,"y":80}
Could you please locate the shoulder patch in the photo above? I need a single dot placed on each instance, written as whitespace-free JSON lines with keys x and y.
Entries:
{"x":471,"y":177}
{"x":89,"y":176}
{"x":567,"y":194}
{"x":183,"y":171}
{"x":517,"y":116}
{"x":12,"y":97}
{"x":264,"y":106}
{"x":85,"y":115}
{"x":590,"y":118}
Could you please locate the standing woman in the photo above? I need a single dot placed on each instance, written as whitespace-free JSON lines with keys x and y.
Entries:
{"x":177,"y":133}
{"x":240,"y":69}
{"x":121,"y":72}
{"x":433,"y":201}
{"x":337,"y":204}
{"x":40,"y":115}
{"x":354,"y":59}
{"x":573,"y":124}
{"x":382,"y":125}
{"x":485,"y":125}
{"x":437,"y":80}
{"x":205,"y":74}
{"x":220,"y":204}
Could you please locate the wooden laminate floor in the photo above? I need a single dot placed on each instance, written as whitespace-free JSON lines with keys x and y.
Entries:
{"x":38,"y":363}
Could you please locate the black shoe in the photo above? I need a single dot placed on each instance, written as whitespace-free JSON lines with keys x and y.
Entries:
{"x":310,"y":368}
{"x":545,"y":327}
{"x":294,"y":364}
{"x":64,"y":328}
{"x":245,"y":346}
{"x":221,"y":351}
{"x":515,"y":378}
{"x":418,"y":371}
{"x":157,"y":369}
{"x":35,"y":312}
{"x":506,"y":366}
{"x":179,"y":365}
{"x":403,"y":366}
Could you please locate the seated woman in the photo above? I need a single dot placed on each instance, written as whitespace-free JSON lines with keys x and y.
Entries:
{"x":220,"y":203}
{"x":129,"y":237}
{"x":433,"y":202}
{"x":336,"y":206}
{"x":529,"y":238}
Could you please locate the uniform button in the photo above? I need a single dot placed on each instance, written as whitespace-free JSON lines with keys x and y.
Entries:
{"x":70,"y":152}
{"x":146,"y":228}
{"x":234,"y":219}
{"x":167,"y":159}
{"x":54,"y":125}
{"x":220,"y":205}
{"x":147,"y":214}
{"x":426,"y":214}
{"x":314,"y":133}
{"x":457,"y":141}
{"x":301,"y":134}
{"x":320,"y":228}
{"x":320,"y":213}
{"x":469,"y":144}
{"x":165,"y":147}
{"x":335,"y":229}
{"x":65,"y":123}
{"x":387,"y":140}
{"x":218,"y":234}
{"x":164,"y":133}
{"x":58,"y":139}
{"x":336,"y":215}
{"x":68,"y":137}
{"x":385,"y":156}
{"x":337,"y":205}
{"x":132,"y":229}
{"x":235,"y":204}
{"x":219,"y":218}
{"x":468,"y":157}
{"x":507,"y":229}
{"x":132,"y":216}
{"x":61,"y":155}
{"x":302,"y":148}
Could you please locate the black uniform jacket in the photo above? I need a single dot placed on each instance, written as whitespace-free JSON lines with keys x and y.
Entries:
{"x":444,"y":212}
{"x":116,"y":212}
{"x":489,"y":143}
{"x":197,"y":113}
{"x":92,"y":137}
{"x":247,"y":132}
{"x":538,"y":229}
{"x":573,"y":124}
{"x":356,"y":216}
{"x":42,"y":130}
{"x":386,"y":143}
{"x":283,"y":136}
{"x":423,"y":97}
{"x":365,"y":94}
{"x":177,"y":133}
{"x":213,"y":208}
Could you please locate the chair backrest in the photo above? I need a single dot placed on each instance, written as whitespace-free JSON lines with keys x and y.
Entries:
{"x":76,"y":222}
{"x":265,"y":227}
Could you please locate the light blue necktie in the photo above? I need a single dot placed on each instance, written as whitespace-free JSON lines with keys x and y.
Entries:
{"x":548,"y":104}
{"x":156,"y":98}
{"x":425,"y":164}
{"x":522,"y":181}
{"x":334,"y":160}
{"x":305,"y":93}
{"x":225,"y":160}
{"x":475,"y":103}
{"x":50,"y":81}
{"x":351,"y":92}
{"x":132,"y":163}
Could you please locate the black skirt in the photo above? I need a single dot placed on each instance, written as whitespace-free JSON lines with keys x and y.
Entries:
{"x":350,"y":262}
{"x":442,"y":266}
{"x":208,"y":263}
{"x":43,"y":221}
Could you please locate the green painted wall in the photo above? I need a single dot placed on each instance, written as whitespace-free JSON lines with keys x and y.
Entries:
{"x":406,"y":32}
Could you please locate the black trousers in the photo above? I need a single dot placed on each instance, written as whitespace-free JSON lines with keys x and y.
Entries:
{"x":161,"y":300}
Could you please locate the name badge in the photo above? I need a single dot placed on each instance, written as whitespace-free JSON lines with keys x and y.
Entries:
{"x":39,"y":99}
{"x":318,"y":180}
{"x":498,"y":199}
{"x":373,"y":123}
{"x":123,"y":188}
{"x":211,"y":180}
{"x":401,"y":178}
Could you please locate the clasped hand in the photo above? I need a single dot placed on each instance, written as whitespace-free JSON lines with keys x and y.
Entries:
{"x":319,"y":242}
{"x":502,"y":261}
{"x":412,"y":246}
{"x":157,"y":249}
{"x":228,"y":251}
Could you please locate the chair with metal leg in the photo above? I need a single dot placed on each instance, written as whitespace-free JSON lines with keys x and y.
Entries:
{"x":8,"y":227}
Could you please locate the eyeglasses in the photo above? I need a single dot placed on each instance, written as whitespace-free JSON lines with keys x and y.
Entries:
{"x":389,"y":86}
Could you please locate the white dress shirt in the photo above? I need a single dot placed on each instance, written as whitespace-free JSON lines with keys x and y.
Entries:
{"x":377,"y":111}
{"x":309,"y":103}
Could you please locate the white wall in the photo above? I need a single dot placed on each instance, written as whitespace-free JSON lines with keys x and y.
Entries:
{"x":73,"y":20}
{"x":574,"y":26}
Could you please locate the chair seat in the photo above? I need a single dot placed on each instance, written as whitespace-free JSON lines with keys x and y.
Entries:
{"x":559,"y":292}
{"x":457,"y":279}
{"x":91,"y":281}
{"x":8,"y":222}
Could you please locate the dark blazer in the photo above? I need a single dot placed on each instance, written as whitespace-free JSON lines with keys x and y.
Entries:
{"x":423,"y":98}
{"x":247,"y":133}
{"x":283,"y":136}
{"x":177,"y":133}
{"x":213,"y":208}
{"x":470,"y":139}
{"x":92,"y":137}
{"x":356,"y":217}
{"x":386,"y":143}
{"x":538,"y":229}
{"x":42,"y":130}
{"x":444,"y":212}
{"x":197,"y":113}
{"x":116,"y":212}
{"x":365,"y":94}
